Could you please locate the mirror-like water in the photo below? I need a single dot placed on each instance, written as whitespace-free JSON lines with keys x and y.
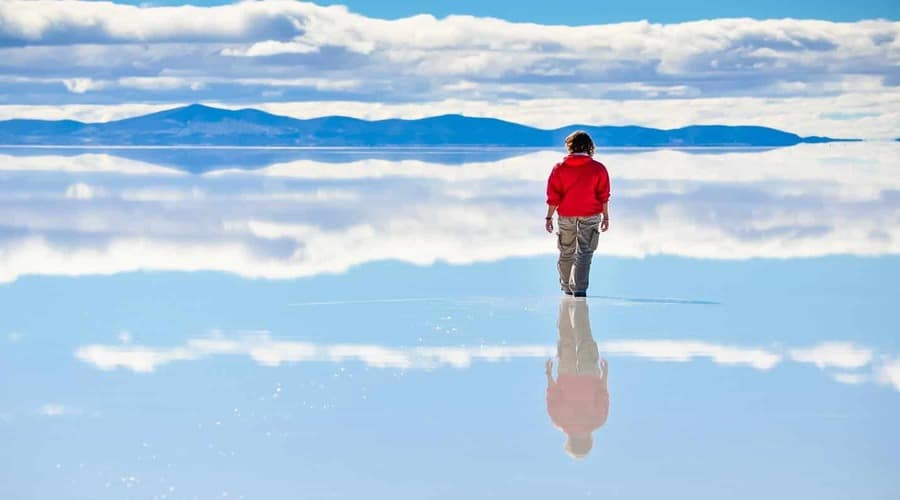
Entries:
{"x":353,"y":323}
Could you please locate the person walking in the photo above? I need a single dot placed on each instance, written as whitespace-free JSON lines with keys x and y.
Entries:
{"x":578,"y":192}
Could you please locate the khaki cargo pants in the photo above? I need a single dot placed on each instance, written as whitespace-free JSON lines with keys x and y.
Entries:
{"x":578,"y":238}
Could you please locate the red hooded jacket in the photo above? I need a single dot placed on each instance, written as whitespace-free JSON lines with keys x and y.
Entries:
{"x":578,"y":186}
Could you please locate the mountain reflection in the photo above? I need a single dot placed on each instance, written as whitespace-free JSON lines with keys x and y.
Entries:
{"x":578,"y":398}
{"x":199,"y":160}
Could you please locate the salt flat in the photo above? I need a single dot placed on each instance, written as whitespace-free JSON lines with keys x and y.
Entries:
{"x":379,"y":326}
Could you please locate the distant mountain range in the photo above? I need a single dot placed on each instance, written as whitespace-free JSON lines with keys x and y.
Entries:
{"x":198,"y":125}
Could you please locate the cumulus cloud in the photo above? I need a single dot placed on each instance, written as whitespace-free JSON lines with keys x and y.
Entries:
{"x":71,"y":22}
{"x":717,"y":45}
{"x":241,"y":51}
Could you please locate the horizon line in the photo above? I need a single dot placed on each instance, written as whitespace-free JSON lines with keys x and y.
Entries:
{"x":462,"y":147}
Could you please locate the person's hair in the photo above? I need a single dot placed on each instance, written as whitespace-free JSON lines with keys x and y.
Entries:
{"x":580,"y":142}
{"x":579,"y":446}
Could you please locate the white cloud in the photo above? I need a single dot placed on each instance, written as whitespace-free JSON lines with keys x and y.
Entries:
{"x":682,"y":351}
{"x":162,"y":194}
{"x":313,"y":83}
{"x":152,"y":194}
{"x":157,"y":83}
{"x":316,"y":195}
{"x":82,"y":85}
{"x":82,"y":191}
{"x":850,"y":378}
{"x":889,"y":373}
{"x":844,"y":355}
{"x":721,"y":70}
{"x":80,"y":112}
{"x":270,"y":48}
{"x":52,"y":22}
{"x":729,"y":43}
{"x":136,"y":358}
{"x":268,"y":352}
{"x":160,"y":83}
{"x":83,"y":163}
{"x":58,"y":410}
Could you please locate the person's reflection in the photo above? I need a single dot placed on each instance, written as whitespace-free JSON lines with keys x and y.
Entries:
{"x":578,"y":400}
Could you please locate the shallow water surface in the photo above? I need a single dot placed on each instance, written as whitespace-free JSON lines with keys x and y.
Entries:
{"x":259,"y":324}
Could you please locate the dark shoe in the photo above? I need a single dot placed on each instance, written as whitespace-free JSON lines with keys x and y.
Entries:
{"x":568,"y":292}
{"x":580,"y":294}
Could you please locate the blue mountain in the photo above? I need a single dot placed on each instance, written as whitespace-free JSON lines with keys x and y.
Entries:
{"x":204,"y":125}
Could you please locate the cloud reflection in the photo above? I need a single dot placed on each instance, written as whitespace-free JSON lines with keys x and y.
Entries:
{"x":687,"y":350}
{"x":265,"y":350}
{"x":889,"y":373}
{"x":58,"y":410}
{"x":269,"y":352}
{"x":99,"y":214}
{"x":833,"y":355}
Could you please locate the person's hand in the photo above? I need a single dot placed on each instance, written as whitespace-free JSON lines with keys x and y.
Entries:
{"x":549,"y":225}
{"x":548,"y":366}
{"x":604,"y":225}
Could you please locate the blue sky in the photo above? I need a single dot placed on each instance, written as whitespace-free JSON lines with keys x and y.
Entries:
{"x":833,"y":70}
{"x":579,"y":12}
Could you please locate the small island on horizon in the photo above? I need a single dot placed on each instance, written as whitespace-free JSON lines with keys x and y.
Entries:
{"x":201,"y":125}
